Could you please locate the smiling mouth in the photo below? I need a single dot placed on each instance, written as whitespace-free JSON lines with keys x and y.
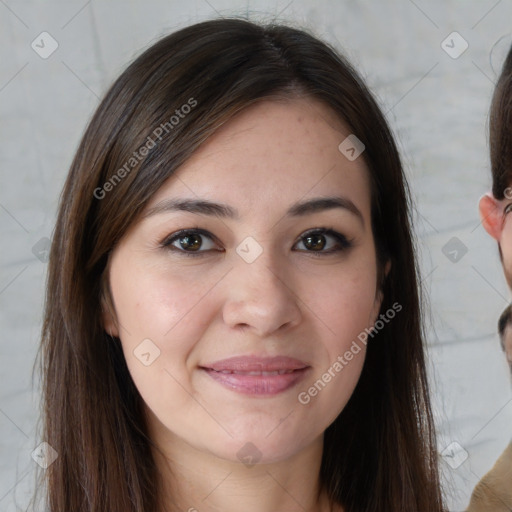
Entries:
{"x":257,"y":376}
{"x":238,"y":372}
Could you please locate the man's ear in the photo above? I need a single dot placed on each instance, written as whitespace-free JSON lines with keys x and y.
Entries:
{"x":491,"y":215}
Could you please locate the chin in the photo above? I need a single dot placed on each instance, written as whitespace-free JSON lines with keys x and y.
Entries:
{"x":260,"y":449}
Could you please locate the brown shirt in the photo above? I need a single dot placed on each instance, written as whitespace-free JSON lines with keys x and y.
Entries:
{"x":494,"y":492}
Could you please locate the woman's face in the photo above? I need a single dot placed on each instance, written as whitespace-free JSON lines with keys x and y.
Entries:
{"x":253,"y":278}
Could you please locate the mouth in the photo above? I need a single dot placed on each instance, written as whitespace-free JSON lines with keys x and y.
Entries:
{"x":257,"y":376}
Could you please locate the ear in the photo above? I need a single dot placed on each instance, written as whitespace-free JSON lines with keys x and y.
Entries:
{"x":491,"y":215}
{"x":108,"y":318}
{"x":379,"y":297}
{"x":108,"y":313}
{"x":387,"y":268}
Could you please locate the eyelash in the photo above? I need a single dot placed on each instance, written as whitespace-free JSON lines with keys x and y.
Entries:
{"x":343,"y":243}
{"x":507,"y":209}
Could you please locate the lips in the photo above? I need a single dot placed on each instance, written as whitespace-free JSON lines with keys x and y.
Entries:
{"x":257,"y":375}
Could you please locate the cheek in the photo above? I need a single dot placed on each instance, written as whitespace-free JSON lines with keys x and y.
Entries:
{"x":508,"y":350}
{"x":162,"y":316}
{"x":351,"y":301}
{"x":506,"y":245}
{"x":349,"y":312}
{"x":151,"y":301}
{"x":345,"y":301}
{"x":345,"y":308}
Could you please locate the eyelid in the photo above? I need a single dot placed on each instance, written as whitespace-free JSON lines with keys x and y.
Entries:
{"x":507,"y":209}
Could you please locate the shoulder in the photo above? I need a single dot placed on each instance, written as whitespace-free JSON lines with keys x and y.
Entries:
{"x":494,"y":491}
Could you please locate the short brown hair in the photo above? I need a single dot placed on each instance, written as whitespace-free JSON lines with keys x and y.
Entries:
{"x":500,"y":131}
{"x":504,"y":321}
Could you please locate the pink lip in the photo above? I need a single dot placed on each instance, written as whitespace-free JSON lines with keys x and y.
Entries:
{"x":257,"y":375}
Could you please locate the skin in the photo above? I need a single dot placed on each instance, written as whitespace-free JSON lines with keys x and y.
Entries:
{"x":497,"y":222}
{"x":290,"y":301}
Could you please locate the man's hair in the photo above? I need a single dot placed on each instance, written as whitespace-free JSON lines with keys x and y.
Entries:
{"x":500,"y":131}
{"x":504,"y":320}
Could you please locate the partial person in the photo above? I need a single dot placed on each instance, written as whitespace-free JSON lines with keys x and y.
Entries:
{"x":494,"y":492}
{"x":505,"y":332}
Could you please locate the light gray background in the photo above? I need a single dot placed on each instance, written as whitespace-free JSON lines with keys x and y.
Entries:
{"x":437,"y":106}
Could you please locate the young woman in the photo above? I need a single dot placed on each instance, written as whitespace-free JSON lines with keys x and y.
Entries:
{"x":233,"y":317}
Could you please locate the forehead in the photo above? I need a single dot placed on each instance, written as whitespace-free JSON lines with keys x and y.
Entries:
{"x":271,"y":154}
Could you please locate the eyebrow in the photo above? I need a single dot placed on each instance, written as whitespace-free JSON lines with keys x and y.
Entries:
{"x":223,"y":211}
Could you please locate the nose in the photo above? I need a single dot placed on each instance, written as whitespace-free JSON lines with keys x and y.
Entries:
{"x":260,"y":298}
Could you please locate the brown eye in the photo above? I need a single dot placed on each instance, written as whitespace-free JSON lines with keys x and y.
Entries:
{"x":315,"y":242}
{"x":318,"y":240}
{"x":190,"y":242}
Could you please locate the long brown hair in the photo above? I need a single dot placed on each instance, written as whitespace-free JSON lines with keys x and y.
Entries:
{"x":380,"y":453}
